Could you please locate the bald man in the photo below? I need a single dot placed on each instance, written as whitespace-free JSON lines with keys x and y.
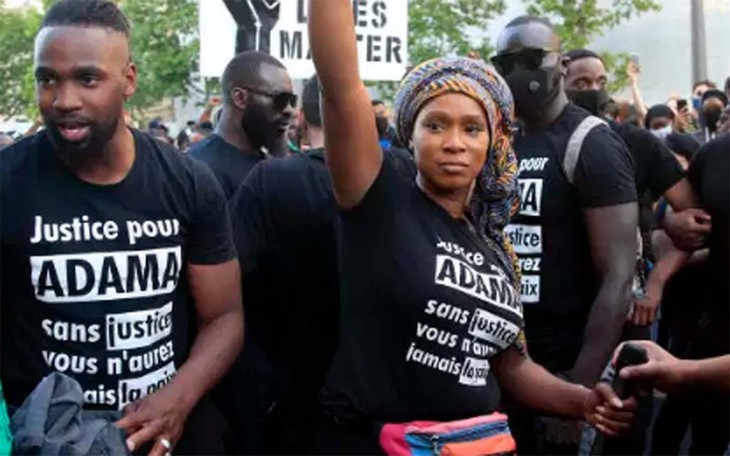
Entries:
{"x":575,"y":234}
{"x":258,"y":107}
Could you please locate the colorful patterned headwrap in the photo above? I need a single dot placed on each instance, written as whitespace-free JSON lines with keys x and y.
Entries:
{"x":496,"y":197}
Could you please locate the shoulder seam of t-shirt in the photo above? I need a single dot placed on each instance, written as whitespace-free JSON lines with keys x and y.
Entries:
{"x":575,"y":144}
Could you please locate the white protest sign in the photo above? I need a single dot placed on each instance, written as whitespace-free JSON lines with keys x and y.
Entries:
{"x":279,"y":27}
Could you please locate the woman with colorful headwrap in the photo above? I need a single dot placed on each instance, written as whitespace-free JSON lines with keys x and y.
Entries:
{"x":431,"y":319}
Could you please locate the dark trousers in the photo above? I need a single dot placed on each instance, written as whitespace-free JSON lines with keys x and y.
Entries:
{"x":709,"y":415}
{"x":206,"y":432}
{"x":708,"y":412}
{"x":346,"y":439}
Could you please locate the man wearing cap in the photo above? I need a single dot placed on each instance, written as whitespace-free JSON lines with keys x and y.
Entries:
{"x":575,"y":234}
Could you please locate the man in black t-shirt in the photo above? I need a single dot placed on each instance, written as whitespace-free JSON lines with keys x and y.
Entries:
{"x":258,"y":106}
{"x":575,"y":234}
{"x":285,"y":221}
{"x":709,"y":174}
{"x":656,"y":170}
{"x":284,"y":218}
{"x":110,"y":242}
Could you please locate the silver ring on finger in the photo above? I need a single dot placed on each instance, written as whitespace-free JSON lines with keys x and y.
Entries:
{"x":166,"y":443}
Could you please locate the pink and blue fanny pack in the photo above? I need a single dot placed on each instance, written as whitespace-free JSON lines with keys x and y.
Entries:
{"x":482,"y":435}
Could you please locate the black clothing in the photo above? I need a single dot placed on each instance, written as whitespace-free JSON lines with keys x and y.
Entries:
{"x":285,"y":221}
{"x":559,"y":283}
{"x":655,"y":171}
{"x":425,"y":303}
{"x":229,"y":164}
{"x":708,"y":412}
{"x":709,"y":174}
{"x":284,"y":218}
{"x":684,"y":144}
{"x":93,"y":276}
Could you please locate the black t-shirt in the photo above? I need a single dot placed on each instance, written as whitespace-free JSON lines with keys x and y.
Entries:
{"x":284,"y":221}
{"x":425,"y":304}
{"x":709,"y":174}
{"x":655,"y":170}
{"x":229,"y":164}
{"x":93,"y":279}
{"x":549,"y":235}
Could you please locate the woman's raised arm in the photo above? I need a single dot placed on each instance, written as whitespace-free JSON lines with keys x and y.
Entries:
{"x":351,"y":138}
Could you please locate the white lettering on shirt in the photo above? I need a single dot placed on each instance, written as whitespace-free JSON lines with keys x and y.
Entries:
{"x":533,"y":164}
{"x":531,"y":196}
{"x":526,"y":239}
{"x":495,"y":289}
{"x":530,"y":288}
{"x":105,"y":276}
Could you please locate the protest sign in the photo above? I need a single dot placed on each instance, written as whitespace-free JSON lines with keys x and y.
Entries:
{"x":279,"y":27}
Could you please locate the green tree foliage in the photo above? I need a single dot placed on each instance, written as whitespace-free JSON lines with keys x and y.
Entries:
{"x":164,"y":47}
{"x":446,"y":27}
{"x":580,"y":21}
{"x":450,"y":27}
{"x":17,"y":32}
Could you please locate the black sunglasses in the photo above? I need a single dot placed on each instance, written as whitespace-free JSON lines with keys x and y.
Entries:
{"x":529,"y":59}
{"x":279,"y":100}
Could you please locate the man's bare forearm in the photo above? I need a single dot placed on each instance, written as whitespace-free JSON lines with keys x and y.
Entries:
{"x":216,"y":346}
{"x":603,"y":329}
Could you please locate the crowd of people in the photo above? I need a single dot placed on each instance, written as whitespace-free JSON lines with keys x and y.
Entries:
{"x":324,"y":274}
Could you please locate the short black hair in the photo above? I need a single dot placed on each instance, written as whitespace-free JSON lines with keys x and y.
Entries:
{"x":87,"y":13}
{"x":310,"y":102}
{"x":715,"y":93}
{"x":579,"y":54}
{"x":382,"y":124}
{"x":659,"y":110}
{"x":242,"y":71}
{"x":527,"y":19}
{"x":611,"y":109}
{"x":377,"y":102}
{"x":205,"y":128}
{"x":706,"y":82}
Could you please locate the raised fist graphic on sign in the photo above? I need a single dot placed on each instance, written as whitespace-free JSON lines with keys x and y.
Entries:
{"x":255,"y":19}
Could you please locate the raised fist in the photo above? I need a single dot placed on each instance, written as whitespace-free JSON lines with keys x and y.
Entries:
{"x":255,"y":19}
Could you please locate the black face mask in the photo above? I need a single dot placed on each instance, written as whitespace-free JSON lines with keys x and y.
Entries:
{"x":593,"y":101}
{"x":533,"y":90}
{"x":712,"y":117}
